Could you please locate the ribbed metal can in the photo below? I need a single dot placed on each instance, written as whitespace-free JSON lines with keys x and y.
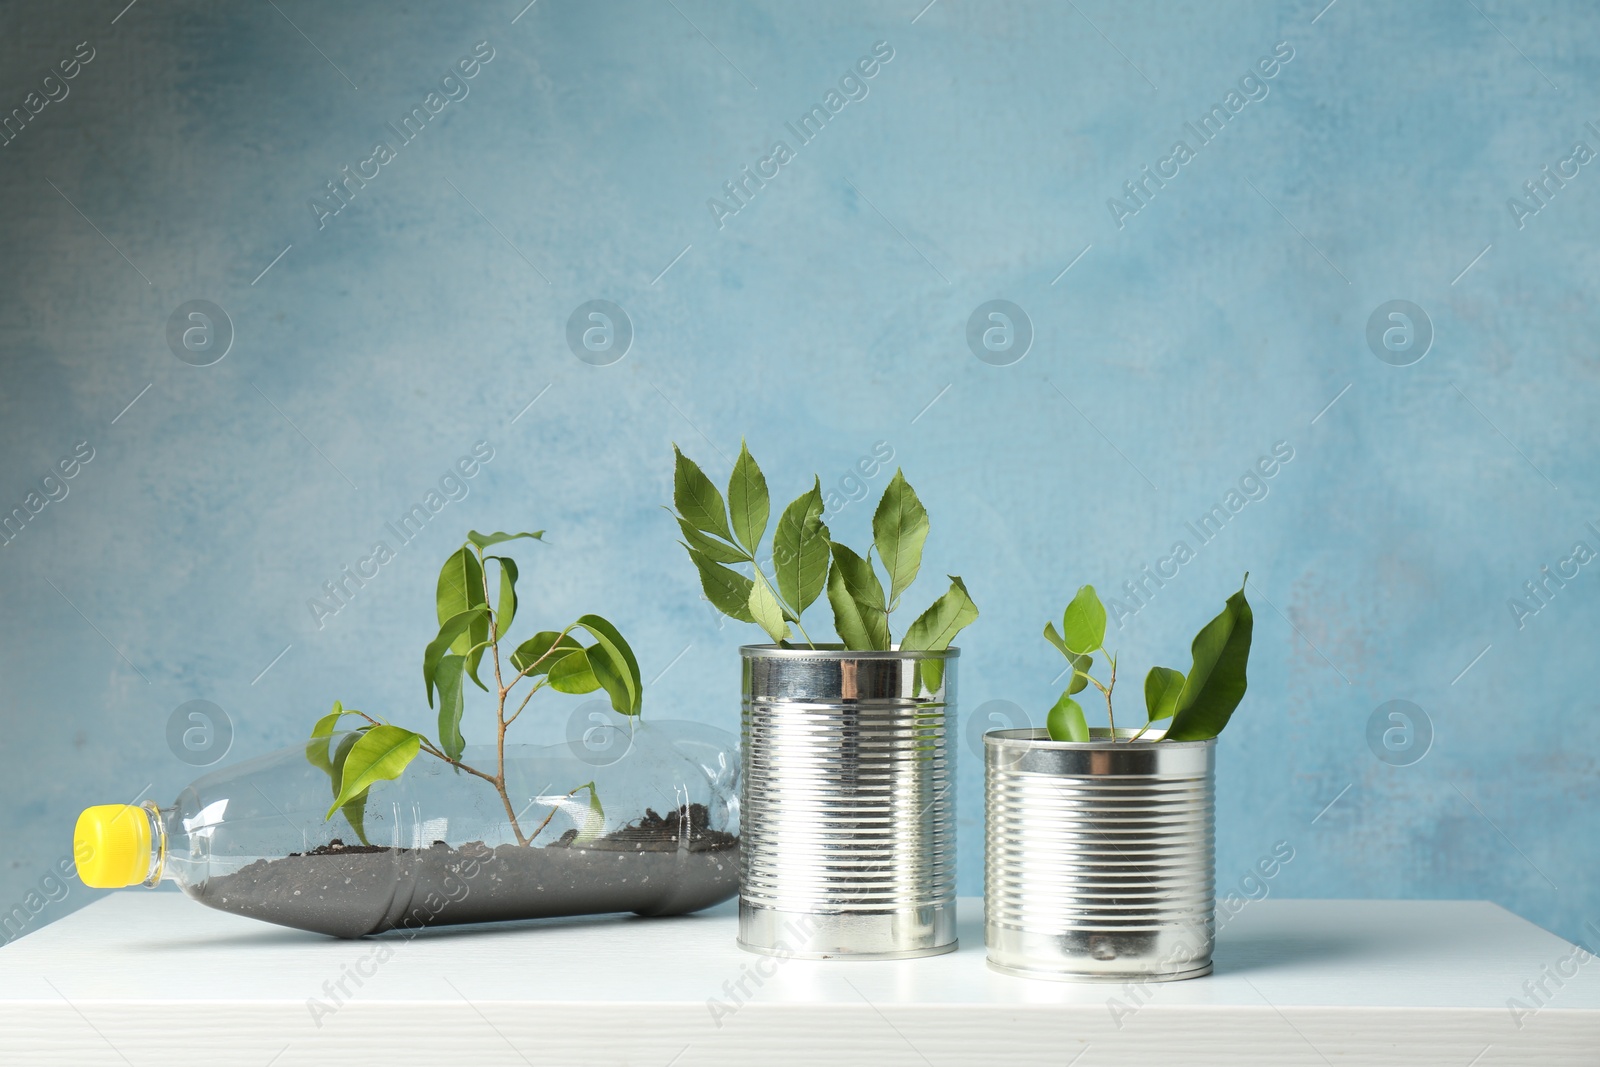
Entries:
{"x":1100,"y":863}
{"x":847,"y":803}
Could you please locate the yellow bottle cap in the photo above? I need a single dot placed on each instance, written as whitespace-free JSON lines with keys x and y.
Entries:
{"x":112,"y":846}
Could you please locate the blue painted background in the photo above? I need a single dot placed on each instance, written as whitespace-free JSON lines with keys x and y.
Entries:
{"x":1221,"y":318}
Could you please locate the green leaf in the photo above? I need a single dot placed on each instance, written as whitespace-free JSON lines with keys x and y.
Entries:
{"x":317,"y":755}
{"x":451,"y":629}
{"x":859,"y":577}
{"x":594,"y":820}
{"x":485,"y":540}
{"x":355,"y":813}
{"x":340,"y":753}
{"x":506,"y":607}
{"x":573,"y":674}
{"x":849,"y":615}
{"x":728,"y":591}
{"x":355,"y":809}
{"x":857,"y":599}
{"x":899,"y":528}
{"x":935,"y":628}
{"x":381,"y":754}
{"x":333,"y":765}
{"x":479,"y":647}
{"x":710,"y":546}
{"x":1161,"y":689}
{"x":767,"y":612}
{"x":1080,"y":668}
{"x":460,"y":589}
{"x":317,"y":745}
{"x":1216,"y":681}
{"x":326,"y":724}
{"x":1066,"y":722}
{"x":460,"y":586}
{"x":449,"y":680}
{"x":748,"y":503}
{"x":1080,"y":662}
{"x":535,"y":647}
{"x":1054,"y":638}
{"x":800,"y":550}
{"x":697,"y":499}
{"x":1083,"y":625}
{"x":617,"y":669}
{"x":614,"y":680}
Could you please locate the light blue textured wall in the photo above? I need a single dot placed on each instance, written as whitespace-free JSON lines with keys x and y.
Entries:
{"x":1188,"y":338}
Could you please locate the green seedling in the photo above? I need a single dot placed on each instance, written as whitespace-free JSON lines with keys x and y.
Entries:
{"x":472,"y":630}
{"x":1199,"y":703}
{"x":723,"y":533}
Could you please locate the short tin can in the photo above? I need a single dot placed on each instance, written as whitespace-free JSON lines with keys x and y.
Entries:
{"x":1100,"y":860}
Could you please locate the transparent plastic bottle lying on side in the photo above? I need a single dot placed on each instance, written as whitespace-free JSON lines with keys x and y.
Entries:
{"x":652,"y":831}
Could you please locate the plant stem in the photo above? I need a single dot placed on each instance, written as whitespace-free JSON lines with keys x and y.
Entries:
{"x":428,"y":747}
{"x":1095,"y":681}
{"x":536,"y":687}
{"x":555,"y":647}
{"x":547,"y":818}
{"x":498,"y":783}
{"x":500,"y":705}
{"x":498,"y":779}
{"x":1110,"y":718}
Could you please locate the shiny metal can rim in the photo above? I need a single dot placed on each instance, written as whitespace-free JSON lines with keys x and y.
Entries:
{"x":1100,"y":741}
{"x":832,"y":650}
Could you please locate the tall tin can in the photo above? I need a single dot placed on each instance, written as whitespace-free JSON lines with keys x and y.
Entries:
{"x":1100,"y":861}
{"x":847,"y":805}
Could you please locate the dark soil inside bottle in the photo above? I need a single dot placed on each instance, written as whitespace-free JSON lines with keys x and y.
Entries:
{"x":658,"y":865}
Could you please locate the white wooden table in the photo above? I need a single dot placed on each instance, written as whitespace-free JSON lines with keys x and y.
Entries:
{"x":153,"y":978}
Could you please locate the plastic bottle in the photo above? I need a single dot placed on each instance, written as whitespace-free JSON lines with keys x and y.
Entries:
{"x":647,"y":824}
